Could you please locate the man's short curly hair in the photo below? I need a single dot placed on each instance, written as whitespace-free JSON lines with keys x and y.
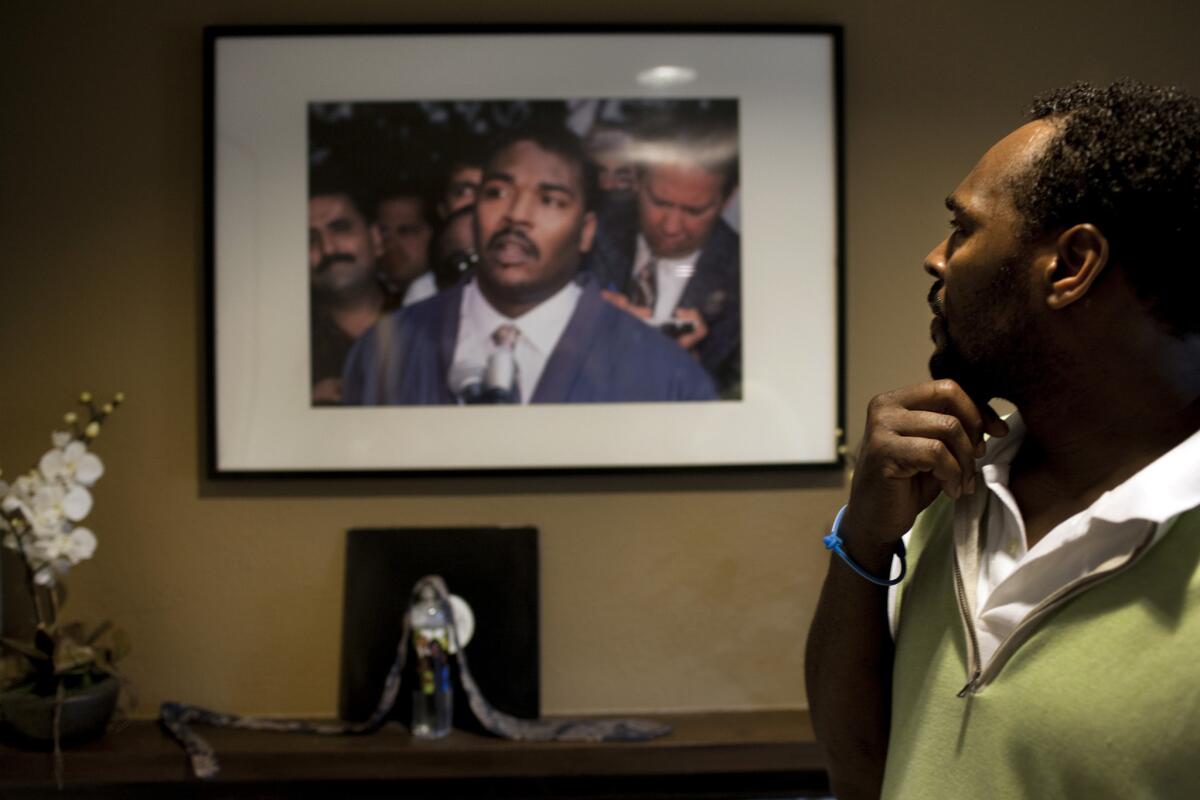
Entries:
{"x":1127,"y":159}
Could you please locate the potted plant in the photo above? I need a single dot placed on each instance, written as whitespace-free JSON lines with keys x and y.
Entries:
{"x":60,"y":686}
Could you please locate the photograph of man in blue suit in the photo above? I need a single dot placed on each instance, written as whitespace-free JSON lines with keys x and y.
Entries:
{"x":667,"y":255}
{"x":528,"y":326}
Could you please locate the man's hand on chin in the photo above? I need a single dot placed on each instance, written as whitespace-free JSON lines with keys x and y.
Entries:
{"x":919,"y":441}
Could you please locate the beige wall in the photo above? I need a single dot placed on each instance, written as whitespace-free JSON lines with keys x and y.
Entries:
{"x":668,"y":592}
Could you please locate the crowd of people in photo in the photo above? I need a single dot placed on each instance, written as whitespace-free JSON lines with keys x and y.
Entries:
{"x":517,"y":252}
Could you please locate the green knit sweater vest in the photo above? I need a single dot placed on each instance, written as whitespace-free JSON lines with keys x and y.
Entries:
{"x":1101,"y":701}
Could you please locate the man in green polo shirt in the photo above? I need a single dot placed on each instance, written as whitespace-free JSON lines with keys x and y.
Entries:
{"x":1045,"y":640}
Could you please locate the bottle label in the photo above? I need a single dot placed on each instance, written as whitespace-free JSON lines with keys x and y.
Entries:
{"x":433,"y":665}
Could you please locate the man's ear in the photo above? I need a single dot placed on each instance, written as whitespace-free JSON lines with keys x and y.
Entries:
{"x":588,"y":232}
{"x":1080,"y":255}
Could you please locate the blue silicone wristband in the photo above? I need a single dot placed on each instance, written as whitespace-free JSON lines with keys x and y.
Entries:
{"x":834,"y":542}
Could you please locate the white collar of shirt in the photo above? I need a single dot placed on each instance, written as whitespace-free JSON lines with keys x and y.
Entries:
{"x":1160,"y":491}
{"x":671,"y":278}
{"x":1014,"y":578}
{"x":541,"y":327}
{"x":422,"y":287}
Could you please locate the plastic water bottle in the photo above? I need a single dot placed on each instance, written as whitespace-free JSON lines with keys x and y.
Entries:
{"x":433,"y":696}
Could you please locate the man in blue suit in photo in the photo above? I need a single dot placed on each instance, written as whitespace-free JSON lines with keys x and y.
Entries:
{"x":528,"y":327}
{"x":667,"y":256}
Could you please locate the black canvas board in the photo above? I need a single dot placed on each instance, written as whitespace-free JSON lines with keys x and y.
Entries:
{"x":494,"y":569}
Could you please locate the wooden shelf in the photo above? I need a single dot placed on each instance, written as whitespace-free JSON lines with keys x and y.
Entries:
{"x":775,"y":746}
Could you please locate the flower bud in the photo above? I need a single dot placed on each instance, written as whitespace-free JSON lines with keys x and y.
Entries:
{"x":118,"y":398}
{"x":85,"y":397}
{"x":70,"y":417}
{"x":108,"y":408}
{"x":92,"y":430}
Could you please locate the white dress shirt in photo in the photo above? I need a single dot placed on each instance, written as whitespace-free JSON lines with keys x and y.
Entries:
{"x":540,"y":329}
{"x":423,"y":287}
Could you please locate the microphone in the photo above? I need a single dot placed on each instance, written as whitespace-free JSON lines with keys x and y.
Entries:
{"x":501,"y":370}
{"x":491,"y":383}
{"x":500,"y":379}
{"x":466,"y":382}
{"x":495,"y":383}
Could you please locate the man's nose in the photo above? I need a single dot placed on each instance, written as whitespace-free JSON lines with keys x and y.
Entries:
{"x":520,"y":211}
{"x":328,"y":243}
{"x":672,"y":222}
{"x":935,"y":262}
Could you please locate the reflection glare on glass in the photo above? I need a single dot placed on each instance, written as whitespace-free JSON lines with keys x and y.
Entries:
{"x":666,"y":75}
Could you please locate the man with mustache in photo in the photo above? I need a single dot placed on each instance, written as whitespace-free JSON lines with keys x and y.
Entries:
{"x":346,"y":296}
{"x":1043,"y":639}
{"x":534,"y":220}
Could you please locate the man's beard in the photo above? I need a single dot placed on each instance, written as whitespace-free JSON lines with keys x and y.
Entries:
{"x":996,"y":355}
{"x":977,"y":381}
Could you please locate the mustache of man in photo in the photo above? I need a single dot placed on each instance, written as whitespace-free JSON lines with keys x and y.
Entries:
{"x":512,"y":246}
{"x":327,"y":262}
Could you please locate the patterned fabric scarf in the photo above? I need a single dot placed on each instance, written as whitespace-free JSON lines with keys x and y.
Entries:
{"x":178,"y":718}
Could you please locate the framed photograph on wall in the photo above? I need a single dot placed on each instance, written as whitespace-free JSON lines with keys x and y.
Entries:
{"x":447,"y":250}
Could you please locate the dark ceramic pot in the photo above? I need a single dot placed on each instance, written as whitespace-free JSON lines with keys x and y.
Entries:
{"x":27,"y":719}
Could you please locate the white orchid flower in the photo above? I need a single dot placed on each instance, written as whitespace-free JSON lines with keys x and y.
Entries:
{"x":13,"y":503}
{"x":58,"y":553}
{"x":25,"y":486}
{"x":48,"y":523}
{"x":42,"y":549}
{"x":77,"y":503}
{"x":52,"y":504}
{"x":72,"y":463}
{"x":20,"y":494}
{"x":60,"y":439}
{"x":80,"y":545}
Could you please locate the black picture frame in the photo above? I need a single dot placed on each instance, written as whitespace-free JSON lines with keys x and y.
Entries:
{"x":791,"y":411}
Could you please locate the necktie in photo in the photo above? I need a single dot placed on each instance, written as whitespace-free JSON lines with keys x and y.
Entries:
{"x":502,"y":373}
{"x":643,"y":287}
